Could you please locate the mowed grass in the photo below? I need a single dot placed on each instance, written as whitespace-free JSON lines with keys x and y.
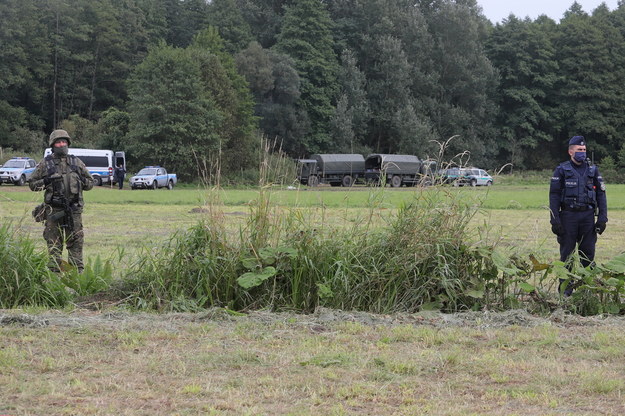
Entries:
{"x":245,"y":366}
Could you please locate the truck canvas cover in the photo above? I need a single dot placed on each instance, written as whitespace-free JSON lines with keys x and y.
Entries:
{"x":394,"y":164}
{"x":339,"y":163}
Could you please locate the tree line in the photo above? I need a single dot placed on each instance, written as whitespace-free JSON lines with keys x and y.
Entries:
{"x":182,"y":82}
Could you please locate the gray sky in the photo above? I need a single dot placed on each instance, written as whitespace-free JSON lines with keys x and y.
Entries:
{"x":497,"y":10}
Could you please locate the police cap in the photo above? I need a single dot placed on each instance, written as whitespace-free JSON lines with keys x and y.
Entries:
{"x":577,"y":141}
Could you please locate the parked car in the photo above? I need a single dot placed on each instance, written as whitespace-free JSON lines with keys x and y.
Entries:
{"x":476,"y":177}
{"x":466,"y":176}
{"x":17,"y":170}
{"x":153,"y":177}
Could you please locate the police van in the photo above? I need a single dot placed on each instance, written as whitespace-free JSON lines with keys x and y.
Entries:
{"x":100,"y":163}
{"x":17,"y":170}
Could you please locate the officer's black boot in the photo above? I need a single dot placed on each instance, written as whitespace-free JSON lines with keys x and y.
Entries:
{"x":569,"y":288}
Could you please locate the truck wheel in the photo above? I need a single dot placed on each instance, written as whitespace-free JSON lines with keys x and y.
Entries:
{"x":155,"y":184}
{"x":489,"y":183}
{"x":396,"y":181}
{"x":170,"y":185}
{"x":347,"y":181}
{"x":473,"y":182}
{"x":21,"y":181}
{"x":97,"y":181}
{"x":313,"y":180}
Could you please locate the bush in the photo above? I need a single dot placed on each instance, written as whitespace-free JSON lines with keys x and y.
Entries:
{"x":25,"y":279}
{"x":422,"y":259}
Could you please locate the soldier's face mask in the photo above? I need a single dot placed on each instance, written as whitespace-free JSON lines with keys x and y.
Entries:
{"x":61,"y":150}
{"x":579,"y":156}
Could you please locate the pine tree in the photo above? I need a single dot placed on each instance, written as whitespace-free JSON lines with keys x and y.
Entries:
{"x":233,"y":29}
{"x":524,"y":56}
{"x":306,"y":37}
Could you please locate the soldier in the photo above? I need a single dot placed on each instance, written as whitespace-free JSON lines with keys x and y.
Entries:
{"x":63,"y":177}
{"x":576,"y":193}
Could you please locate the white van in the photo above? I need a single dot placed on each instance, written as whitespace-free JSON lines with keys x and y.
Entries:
{"x":100,"y":163}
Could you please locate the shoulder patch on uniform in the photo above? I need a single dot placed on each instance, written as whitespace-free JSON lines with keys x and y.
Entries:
{"x":555,"y":178}
{"x":603,"y":186}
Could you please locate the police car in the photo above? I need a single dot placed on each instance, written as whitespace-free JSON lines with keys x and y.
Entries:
{"x":475,"y":177}
{"x":466,"y":176}
{"x":17,"y":170}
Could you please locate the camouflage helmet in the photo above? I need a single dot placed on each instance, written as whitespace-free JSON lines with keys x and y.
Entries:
{"x":59,"y":134}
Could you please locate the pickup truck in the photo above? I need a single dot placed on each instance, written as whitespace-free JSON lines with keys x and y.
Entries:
{"x":17,"y":170}
{"x":153,"y":177}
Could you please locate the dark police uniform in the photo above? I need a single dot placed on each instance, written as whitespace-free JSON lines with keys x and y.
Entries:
{"x":576,"y":193}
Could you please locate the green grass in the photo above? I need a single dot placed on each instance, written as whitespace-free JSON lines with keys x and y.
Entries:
{"x":513,"y":197}
{"x":358,"y":236}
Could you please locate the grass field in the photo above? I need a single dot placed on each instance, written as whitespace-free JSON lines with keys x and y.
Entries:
{"x":108,"y":361}
{"x":330,"y":363}
{"x":118,"y":223}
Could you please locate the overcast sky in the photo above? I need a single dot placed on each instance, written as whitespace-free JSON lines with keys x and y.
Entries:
{"x":497,"y":10}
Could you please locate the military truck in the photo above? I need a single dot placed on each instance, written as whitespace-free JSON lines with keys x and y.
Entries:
{"x":333,"y":169}
{"x":398,"y":170}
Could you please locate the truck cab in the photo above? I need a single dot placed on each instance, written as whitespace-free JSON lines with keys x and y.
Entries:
{"x":307,"y":172}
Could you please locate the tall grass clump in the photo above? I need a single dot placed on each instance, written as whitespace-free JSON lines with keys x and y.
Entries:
{"x":423,"y":258}
{"x":291,"y":258}
{"x":25,"y":279}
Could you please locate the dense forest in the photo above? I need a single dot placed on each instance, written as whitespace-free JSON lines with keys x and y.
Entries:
{"x":182,"y":82}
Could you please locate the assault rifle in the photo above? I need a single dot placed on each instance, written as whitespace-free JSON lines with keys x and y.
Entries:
{"x":59,"y":200}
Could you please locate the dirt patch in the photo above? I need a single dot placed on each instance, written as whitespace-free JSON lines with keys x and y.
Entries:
{"x":200,"y":210}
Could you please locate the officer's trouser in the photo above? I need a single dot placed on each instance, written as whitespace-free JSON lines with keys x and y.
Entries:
{"x":56,"y":235}
{"x":579,"y":228}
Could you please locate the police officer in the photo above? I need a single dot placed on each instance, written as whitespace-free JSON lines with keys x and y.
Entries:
{"x":63,"y":177}
{"x":576,"y":193}
{"x":119,"y":175}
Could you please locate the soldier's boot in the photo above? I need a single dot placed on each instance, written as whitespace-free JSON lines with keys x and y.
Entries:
{"x":55,"y":249}
{"x":74,"y":249}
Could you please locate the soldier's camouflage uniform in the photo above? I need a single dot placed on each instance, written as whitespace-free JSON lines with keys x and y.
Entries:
{"x":74,"y":181}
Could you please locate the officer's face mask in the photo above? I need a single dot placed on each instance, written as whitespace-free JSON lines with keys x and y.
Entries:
{"x":60,"y":151}
{"x":579,"y":156}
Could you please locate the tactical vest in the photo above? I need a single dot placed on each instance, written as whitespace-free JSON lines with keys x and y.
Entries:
{"x":579,"y":190}
{"x":51,"y":166}
{"x":63,"y":189}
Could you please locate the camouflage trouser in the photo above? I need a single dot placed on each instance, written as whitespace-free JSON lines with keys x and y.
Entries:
{"x":55,"y":236}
